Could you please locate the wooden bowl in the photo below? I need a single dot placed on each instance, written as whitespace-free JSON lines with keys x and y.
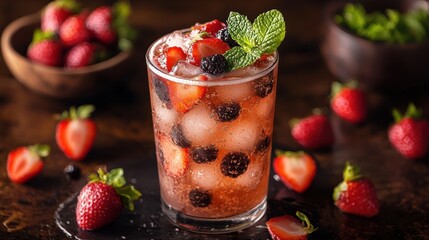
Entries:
{"x":376,"y":66}
{"x":56,"y":82}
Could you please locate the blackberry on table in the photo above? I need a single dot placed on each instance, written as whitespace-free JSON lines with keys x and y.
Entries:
{"x":178,"y":138}
{"x":161,"y":91}
{"x":264,"y":86}
{"x":200,"y":198}
{"x":262,"y":145}
{"x":224,"y":35}
{"x":234,"y":164}
{"x":215,"y":64}
{"x":204,"y":154}
{"x":72,"y":172}
{"x":228,"y":112}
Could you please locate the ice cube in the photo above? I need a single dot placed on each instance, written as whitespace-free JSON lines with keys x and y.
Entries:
{"x":236,"y":93}
{"x":252,"y":177}
{"x":185,"y":69}
{"x":205,"y":175}
{"x":241,"y":134}
{"x":164,"y":118}
{"x":178,"y":39}
{"x":199,"y":125}
{"x":246,"y":71}
{"x":265,"y":107}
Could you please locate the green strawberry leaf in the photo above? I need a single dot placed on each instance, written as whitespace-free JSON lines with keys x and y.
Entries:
{"x":81,"y":112}
{"x":128,"y":195}
{"x":412,"y":112}
{"x":116,"y":179}
{"x":127,"y":34}
{"x":41,"y":150}
{"x":39,"y":36}
{"x":70,"y":5}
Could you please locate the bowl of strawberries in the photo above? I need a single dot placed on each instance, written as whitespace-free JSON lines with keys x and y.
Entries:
{"x":67,"y":51}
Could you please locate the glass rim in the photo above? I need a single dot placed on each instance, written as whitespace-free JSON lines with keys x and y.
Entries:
{"x":189,"y":81}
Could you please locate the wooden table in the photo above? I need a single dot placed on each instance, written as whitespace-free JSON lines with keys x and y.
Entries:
{"x":125,"y":131}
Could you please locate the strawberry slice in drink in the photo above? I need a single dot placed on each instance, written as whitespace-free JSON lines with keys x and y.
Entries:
{"x":174,"y":159}
{"x":207,"y":47}
{"x":174,"y":54}
{"x":211,"y":27}
{"x":184,"y":96}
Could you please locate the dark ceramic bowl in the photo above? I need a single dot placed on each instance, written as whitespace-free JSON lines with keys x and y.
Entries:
{"x":55,"y":81}
{"x":376,"y":66}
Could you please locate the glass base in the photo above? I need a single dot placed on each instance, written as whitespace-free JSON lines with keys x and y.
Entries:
{"x":215,"y":225}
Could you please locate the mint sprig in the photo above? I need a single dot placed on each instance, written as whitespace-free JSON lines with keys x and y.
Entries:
{"x":263,"y":36}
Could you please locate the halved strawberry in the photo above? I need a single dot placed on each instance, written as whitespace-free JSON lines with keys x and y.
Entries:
{"x":211,"y":27}
{"x":173,"y":55}
{"x":24,"y":163}
{"x":295,"y":169}
{"x":75,"y":132}
{"x":184,"y":96}
{"x":207,"y":47}
{"x":174,"y":159}
{"x":288,"y":227}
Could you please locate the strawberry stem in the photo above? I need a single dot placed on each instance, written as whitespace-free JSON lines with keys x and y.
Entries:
{"x":309,"y":228}
{"x":351,"y":172}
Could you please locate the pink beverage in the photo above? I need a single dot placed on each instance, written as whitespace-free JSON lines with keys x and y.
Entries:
{"x":212,"y":132}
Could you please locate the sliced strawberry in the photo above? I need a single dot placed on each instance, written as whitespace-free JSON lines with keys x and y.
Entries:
{"x":75,"y":133}
{"x":175,"y":159}
{"x":295,"y":169}
{"x":24,"y":163}
{"x":173,"y":55}
{"x":211,"y":27}
{"x":207,"y":47}
{"x":289,"y":227}
{"x":184,"y":96}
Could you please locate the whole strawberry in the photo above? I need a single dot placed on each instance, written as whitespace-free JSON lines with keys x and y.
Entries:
{"x":56,"y":12}
{"x":80,"y":55}
{"x":313,"y":132}
{"x":24,"y":163}
{"x":409,"y":135}
{"x":356,"y":194}
{"x":99,"y":22}
{"x":45,"y":49}
{"x":73,"y":31}
{"x":75,"y":132}
{"x":349,"y":102}
{"x":102,"y":200}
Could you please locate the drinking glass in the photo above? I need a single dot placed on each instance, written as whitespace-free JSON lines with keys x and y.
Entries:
{"x":213,"y":154}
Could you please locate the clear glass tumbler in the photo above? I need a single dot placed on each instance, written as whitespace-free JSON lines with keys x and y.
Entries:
{"x":214,"y":157}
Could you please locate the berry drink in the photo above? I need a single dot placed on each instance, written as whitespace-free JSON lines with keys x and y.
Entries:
{"x":212,"y":110}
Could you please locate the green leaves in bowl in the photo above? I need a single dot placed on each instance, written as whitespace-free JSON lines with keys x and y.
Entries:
{"x":390,"y":26}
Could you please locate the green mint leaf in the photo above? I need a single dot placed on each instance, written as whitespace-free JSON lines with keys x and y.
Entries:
{"x":241,"y":30}
{"x":263,"y":36}
{"x":237,"y":57}
{"x":271,"y":29}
